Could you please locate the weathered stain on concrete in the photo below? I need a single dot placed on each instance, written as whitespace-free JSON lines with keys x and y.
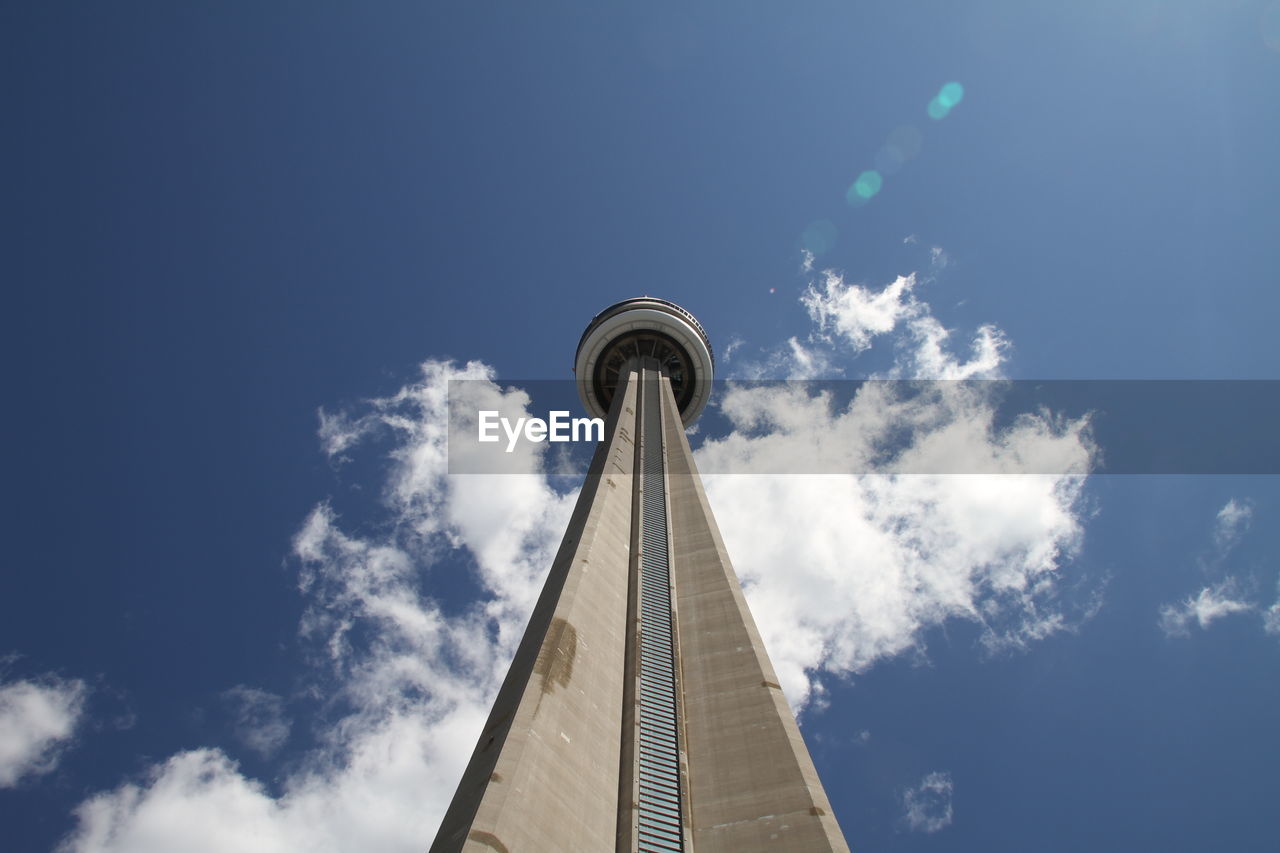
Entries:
{"x":488,"y":839}
{"x":555,"y":658}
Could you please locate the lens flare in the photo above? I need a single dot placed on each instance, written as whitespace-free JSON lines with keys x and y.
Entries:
{"x":867,"y":185}
{"x":948,"y":96}
{"x":951,"y":94}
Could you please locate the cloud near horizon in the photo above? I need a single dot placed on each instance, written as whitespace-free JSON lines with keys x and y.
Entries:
{"x":841,"y":572}
{"x":38,"y":719}
{"x":409,"y":684}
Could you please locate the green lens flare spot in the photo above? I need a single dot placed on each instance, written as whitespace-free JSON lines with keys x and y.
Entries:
{"x":951,"y":94}
{"x":937,"y":110}
{"x":867,"y":185}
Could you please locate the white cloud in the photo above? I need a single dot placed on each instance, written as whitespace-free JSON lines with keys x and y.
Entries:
{"x":1231,"y":523}
{"x":842,"y":571}
{"x":855,"y":312}
{"x":1226,"y":597}
{"x":1271,"y":619}
{"x":260,"y":720}
{"x":929,"y":356}
{"x":37,"y":721}
{"x":806,"y":362}
{"x":938,"y":258}
{"x":854,"y":315}
{"x":1203,"y":609}
{"x":1271,"y":616}
{"x":927,"y":806}
{"x":413,"y":682}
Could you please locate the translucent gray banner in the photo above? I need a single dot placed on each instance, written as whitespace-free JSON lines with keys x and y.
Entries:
{"x":1053,"y":427}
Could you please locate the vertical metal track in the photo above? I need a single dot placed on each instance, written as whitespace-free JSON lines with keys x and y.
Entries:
{"x":659,"y":824}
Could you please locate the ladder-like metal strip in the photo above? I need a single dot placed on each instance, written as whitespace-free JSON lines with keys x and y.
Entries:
{"x":658,"y":814}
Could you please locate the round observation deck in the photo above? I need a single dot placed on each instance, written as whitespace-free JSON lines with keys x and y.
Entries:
{"x":645,"y":326}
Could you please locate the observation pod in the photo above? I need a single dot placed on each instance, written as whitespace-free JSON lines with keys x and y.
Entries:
{"x":639,"y":327}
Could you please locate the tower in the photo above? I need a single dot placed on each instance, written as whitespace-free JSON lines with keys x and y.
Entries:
{"x":641,"y":712}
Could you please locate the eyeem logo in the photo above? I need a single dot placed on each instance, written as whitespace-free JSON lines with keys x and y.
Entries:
{"x":560,"y":427}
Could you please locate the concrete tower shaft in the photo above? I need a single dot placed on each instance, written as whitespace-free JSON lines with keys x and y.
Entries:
{"x":641,"y":712}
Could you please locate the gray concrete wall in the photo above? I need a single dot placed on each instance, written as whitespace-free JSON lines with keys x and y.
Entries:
{"x":545,"y":773}
{"x":752,"y":785}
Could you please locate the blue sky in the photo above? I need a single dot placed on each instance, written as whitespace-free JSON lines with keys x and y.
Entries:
{"x":219,"y":616}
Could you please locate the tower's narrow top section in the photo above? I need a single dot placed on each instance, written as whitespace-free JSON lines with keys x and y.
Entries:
{"x":645,"y":326}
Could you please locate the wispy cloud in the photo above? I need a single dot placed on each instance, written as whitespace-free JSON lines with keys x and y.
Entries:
{"x":927,"y":806}
{"x":1204,"y":608}
{"x":735,"y":344}
{"x":409,"y":684}
{"x":854,"y":314}
{"x":1229,"y":594}
{"x":938,"y":258}
{"x":260,"y":720}
{"x":1271,"y":618}
{"x":38,"y":720}
{"x":1231,"y":523}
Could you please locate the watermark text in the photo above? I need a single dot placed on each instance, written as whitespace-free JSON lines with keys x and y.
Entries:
{"x":558,"y":427}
